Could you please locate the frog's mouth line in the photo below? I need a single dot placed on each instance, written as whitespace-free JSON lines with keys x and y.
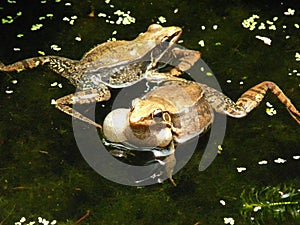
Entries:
{"x":173,"y":38}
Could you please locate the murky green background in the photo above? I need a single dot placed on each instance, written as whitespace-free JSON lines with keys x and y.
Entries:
{"x":42,"y":173}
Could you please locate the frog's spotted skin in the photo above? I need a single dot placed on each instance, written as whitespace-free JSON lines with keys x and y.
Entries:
{"x":114,"y":64}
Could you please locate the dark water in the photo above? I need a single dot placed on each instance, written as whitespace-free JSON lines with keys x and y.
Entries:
{"x":42,"y":173}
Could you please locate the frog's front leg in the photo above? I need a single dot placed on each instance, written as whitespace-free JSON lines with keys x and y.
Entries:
{"x":248,"y":101}
{"x":182,"y":59}
{"x":83,"y":97}
{"x":186,"y":59}
{"x":169,"y":163}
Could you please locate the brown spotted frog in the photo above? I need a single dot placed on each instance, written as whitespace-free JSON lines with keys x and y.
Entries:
{"x":114,"y":64}
{"x":179,"y":110}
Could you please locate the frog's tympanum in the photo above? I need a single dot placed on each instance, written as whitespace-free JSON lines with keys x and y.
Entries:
{"x":179,"y":110}
{"x":114,"y":64}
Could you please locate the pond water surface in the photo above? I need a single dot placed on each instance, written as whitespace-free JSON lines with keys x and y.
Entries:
{"x":254,"y":179}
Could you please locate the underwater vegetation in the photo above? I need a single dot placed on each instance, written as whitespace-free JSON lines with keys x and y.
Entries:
{"x":279,"y":203}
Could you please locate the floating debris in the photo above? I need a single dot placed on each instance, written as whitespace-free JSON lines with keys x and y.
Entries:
{"x":228,"y":220}
{"x":280,"y":160}
{"x":37,"y":26}
{"x":250,"y":23}
{"x":49,"y":15}
{"x":54,"y":84}
{"x":297,"y":56}
{"x":102,"y":15}
{"x":262,"y":26}
{"x":127,"y":19}
{"x":201,"y":43}
{"x":162,"y":19}
{"x":272,"y":27}
{"x":71,"y":20}
{"x":241,"y":169}
{"x":123,"y":18}
{"x":263,"y":162}
{"x":289,"y":12}
{"x":266,"y":40}
{"x":9,"y":91}
{"x":77,"y":38}
{"x":55,"y":47}
{"x":269,"y":104}
{"x":41,"y":53}
{"x":256,"y":208}
{"x":222,"y":202}
{"x":271,"y":111}
{"x":11,"y":19}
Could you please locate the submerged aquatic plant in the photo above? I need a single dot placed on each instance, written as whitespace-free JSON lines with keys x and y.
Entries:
{"x":280,"y":203}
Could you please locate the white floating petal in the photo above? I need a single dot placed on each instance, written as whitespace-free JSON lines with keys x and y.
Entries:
{"x":241,"y":169}
{"x":280,"y":160}
{"x":266,"y":40}
{"x":263,"y":162}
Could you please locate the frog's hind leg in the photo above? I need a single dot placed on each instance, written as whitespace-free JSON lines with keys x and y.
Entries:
{"x":82,"y":97}
{"x":251,"y":98}
{"x":24,"y":64}
{"x":248,"y":101}
{"x":63,"y":66}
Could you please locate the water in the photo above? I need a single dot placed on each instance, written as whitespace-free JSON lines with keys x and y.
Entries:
{"x":42,"y":173}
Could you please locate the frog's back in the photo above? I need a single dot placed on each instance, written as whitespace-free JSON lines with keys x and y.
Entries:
{"x":101,"y":50}
{"x":192,"y":114}
{"x":116,"y":53}
{"x":182,"y":94}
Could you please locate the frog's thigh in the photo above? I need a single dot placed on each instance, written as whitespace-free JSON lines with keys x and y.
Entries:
{"x":81,"y":98}
{"x":87,"y":96}
{"x":222,"y":104}
{"x":187,"y":58}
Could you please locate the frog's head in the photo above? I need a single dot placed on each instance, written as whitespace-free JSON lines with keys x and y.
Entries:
{"x":148,"y":112}
{"x":159,"y":34}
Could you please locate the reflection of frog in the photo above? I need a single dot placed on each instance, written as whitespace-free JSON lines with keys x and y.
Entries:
{"x":114,"y":64}
{"x":179,"y":110}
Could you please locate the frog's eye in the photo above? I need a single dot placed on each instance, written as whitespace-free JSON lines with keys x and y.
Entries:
{"x":154,"y":28}
{"x":157,"y":114}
